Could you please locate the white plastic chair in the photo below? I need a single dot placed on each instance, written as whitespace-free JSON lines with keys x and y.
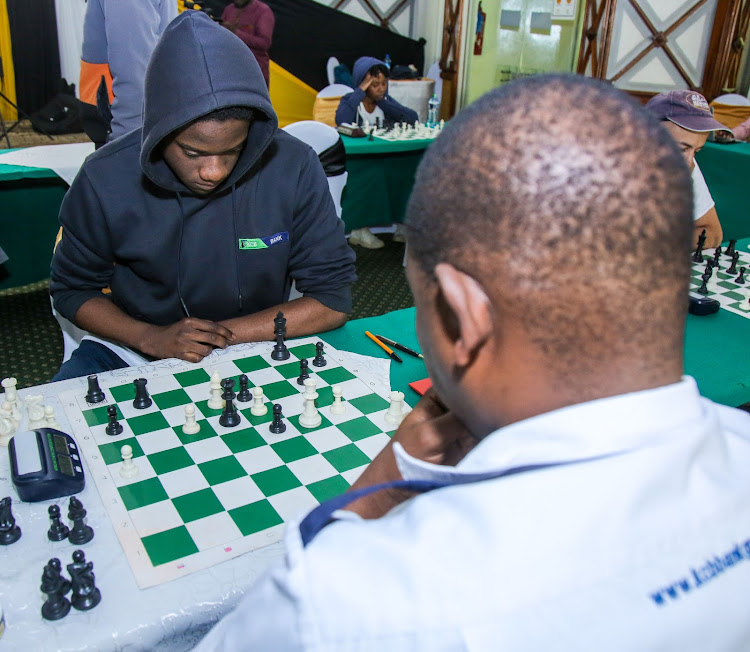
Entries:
{"x":331,"y":69}
{"x":320,"y":137}
{"x":732,"y":99}
{"x":335,"y":90}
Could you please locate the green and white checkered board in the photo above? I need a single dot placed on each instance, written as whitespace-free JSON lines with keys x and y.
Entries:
{"x":730,"y":295}
{"x":201,"y":499}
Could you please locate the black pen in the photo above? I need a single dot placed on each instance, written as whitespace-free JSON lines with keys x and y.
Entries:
{"x":400,"y":347}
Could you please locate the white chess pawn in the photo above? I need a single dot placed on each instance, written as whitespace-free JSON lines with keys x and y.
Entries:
{"x":259,"y":408}
{"x":7,"y":428}
{"x":35,"y":410}
{"x":745,"y":301}
{"x":338,"y":406}
{"x":128,"y":469}
{"x":395,"y":412}
{"x":11,"y":393}
{"x":49,"y":417}
{"x":215,"y":402}
{"x":191,"y":427}
{"x":10,"y":412}
{"x":310,"y":417}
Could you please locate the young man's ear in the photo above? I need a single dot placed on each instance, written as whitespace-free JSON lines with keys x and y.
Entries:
{"x":470,"y":305}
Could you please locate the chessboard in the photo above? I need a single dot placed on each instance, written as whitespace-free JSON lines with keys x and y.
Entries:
{"x":405,"y":131}
{"x":198,"y":500}
{"x":724,"y":287}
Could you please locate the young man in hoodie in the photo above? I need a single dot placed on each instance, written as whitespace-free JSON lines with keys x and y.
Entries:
{"x":370,"y":103}
{"x":199,"y":222}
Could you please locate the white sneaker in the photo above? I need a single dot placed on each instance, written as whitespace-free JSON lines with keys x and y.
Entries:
{"x":399,"y":235}
{"x":365,"y":238}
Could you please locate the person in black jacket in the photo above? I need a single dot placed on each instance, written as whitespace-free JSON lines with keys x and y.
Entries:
{"x":371,"y":104}
{"x":200,"y":221}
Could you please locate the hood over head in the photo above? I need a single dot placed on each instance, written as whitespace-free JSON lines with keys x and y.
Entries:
{"x":198,"y":67}
{"x":361,"y":66}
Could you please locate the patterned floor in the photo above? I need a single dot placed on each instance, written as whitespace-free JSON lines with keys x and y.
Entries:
{"x":31,"y":343}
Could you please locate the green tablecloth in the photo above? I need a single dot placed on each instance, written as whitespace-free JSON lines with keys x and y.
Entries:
{"x":726,"y":169}
{"x":381,"y":176}
{"x":716,"y":351}
{"x":30,"y":200}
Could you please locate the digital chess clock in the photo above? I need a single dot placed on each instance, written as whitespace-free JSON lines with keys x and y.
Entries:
{"x":44,"y":464}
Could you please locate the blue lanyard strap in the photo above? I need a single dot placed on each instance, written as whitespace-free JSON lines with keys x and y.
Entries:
{"x":322,"y":515}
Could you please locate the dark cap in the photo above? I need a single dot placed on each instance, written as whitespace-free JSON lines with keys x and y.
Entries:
{"x":687,"y":109}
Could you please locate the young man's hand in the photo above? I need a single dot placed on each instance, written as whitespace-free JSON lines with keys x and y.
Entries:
{"x":189,"y":339}
{"x":430,"y":432}
{"x":366,"y":82}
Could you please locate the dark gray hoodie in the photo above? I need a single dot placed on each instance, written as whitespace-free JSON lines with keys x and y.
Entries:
{"x":129,"y":223}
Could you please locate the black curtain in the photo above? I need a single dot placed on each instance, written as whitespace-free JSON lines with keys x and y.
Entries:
{"x":307,"y":33}
{"x":36,"y":58}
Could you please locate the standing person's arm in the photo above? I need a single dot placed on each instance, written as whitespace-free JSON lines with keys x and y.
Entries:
{"x":132,"y":30}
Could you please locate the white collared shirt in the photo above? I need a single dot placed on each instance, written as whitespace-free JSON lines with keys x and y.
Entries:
{"x":702,"y":199}
{"x":621,"y":524}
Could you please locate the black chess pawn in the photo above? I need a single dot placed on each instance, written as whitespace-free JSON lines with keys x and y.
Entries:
{"x":730,"y":251}
{"x":55,"y":586}
{"x":735,"y":259}
{"x":740,"y":280}
{"x":244,"y":395}
{"x":85,"y":594}
{"x":58,"y":531}
{"x":319,"y":359}
{"x":95,"y":393}
{"x":717,"y":260}
{"x":304,"y":372}
{"x":142,"y":400}
{"x":280,"y":351}
{"x":81,"y":533}
{"x":114,"y":427}
{"x":703,"y":289}
{"x":229,"y":416}
{"x":277,"y":425}
{"x":9,"y":531}
{"x":371,"y":137}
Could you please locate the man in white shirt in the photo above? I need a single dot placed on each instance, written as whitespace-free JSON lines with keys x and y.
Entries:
{"x":688,"y":118}
{"x":577,"y":492}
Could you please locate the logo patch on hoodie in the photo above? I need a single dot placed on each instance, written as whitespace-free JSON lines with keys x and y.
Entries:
{"x":264,"y":243}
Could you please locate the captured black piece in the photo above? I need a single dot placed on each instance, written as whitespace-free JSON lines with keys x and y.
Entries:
{"x":81,"y":533}
{"x":9,"y":531}
{"x":58,"y":531}
{"x":85,"y":594}
{"x":55,"y":586}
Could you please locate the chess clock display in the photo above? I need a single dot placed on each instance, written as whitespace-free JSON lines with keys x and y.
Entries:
{"x":44,"y":464}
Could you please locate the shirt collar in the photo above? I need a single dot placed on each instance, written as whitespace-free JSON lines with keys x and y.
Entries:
{"x":596,"y":429}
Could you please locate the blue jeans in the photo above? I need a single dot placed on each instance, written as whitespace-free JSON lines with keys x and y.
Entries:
{"x":89,"y":358}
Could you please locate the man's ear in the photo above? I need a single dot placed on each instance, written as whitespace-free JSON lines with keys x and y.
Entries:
{"x":472,"y":315}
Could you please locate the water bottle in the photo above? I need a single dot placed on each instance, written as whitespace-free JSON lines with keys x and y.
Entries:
{"x":433,"y":111}
{"x":387,"y":61}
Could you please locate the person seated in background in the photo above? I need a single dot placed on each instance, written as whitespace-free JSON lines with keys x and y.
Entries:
{"x":370,"y":104}
{"x":577,"y":491}
{"x":199,"y":222}
{"x":688,"y":118}
{"x":740,"y":133}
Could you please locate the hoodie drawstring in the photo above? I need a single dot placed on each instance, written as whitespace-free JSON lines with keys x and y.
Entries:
{"x":179,"y":257}
{"x":236,"y":249}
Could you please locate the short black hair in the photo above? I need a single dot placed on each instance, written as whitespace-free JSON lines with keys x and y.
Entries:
{"x":378,"y":68}
{"x":229,"y":113}
{"x":572,"y":206}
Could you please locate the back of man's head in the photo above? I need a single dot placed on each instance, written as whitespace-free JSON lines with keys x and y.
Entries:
{"x":572,"y":208}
